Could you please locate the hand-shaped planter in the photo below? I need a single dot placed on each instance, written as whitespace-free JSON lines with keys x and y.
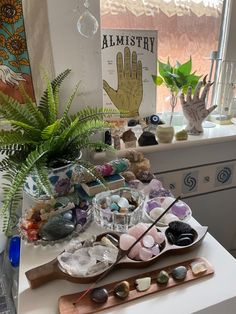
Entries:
{"x":129,"y":93}
{"x":194,"y":108}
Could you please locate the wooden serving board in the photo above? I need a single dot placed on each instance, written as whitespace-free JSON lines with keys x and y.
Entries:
{"x":68,"y":305}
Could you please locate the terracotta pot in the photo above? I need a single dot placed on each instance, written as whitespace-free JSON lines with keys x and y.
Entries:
{"x":165,"y":133}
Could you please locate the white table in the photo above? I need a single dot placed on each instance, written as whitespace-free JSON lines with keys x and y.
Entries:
{"x":211,"y":294}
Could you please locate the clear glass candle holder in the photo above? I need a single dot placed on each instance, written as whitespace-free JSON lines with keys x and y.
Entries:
{"x":114,"y":219}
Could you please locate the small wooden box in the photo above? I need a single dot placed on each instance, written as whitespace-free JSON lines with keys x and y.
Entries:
{"x":113,"y":182}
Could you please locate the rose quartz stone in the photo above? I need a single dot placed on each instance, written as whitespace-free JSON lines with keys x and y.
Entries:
{"x":154,"y":233}
{"x":126,"y":240}
{"x":148,"y":241}
{"x":134,"y":253}
{"x":160,"y":238}
{"x":145,"y":254}
{"x":156,"y":250}
{"x":137,"y":230}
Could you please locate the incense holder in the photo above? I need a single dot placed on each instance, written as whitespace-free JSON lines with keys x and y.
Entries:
{"x":52,"y":270}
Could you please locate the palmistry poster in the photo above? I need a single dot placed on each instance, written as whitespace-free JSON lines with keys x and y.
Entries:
{"x":129,"y":59}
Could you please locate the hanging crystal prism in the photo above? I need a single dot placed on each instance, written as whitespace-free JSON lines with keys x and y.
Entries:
{"x":87,"y":24}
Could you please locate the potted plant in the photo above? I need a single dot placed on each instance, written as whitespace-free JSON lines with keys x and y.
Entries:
{"x":177,"y":79}
{"x":37,"y":141}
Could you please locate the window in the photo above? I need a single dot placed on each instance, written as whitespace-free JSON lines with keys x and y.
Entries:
{"x":185,"y":28}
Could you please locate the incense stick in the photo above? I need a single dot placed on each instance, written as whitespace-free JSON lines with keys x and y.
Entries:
{"x":122,"y":253}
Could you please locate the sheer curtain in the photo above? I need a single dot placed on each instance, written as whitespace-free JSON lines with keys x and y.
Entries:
{"x":185,"y":28}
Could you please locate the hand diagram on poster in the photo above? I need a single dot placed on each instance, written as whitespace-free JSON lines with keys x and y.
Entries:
{"x":129,"y":94}
{"x":194,"y":108}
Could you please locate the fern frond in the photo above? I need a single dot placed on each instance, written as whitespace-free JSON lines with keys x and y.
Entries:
{"x":50,"y":130}
{"x":64,"y":117}
{"x":20,"y":176}
{"x":32,"y":131}
{"x":43,"y":182}
{"x":43,"y":104}
{"x":14,"y":137}
{"x":11,"y":109}
{"x":36,"y":115}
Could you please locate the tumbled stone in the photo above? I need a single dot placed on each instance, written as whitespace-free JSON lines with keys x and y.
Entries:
{"x":143,"y":284}
{"x":123,"y":202}
{"x":181,"y":135}
{"x":134,"y":252}
{"x":169,"y":218}
{"x":99,"y":295}
{"x":170,"y":237}
{"x":56,"y":228}
{"x":145,"y":176}
{"x":180,"y":209}
{"x":198,"y":267}
{"x":183,"y":241}
{"x":156,"y":212}
{"x":114,"y":207}
{"x":145,"y":254}
{"x":137,"y":230}
{"x":156,"y":250}
{"x":132,"y":122}
{"x":179,"y":273}
{"x":121,"y":290}
{"x":126,"y":240}
{"x":147,"y":138}
{"x":148,"y":241}
{"x":189,"y":235}
{"x":163,"y":277}
{"x":179,"y":227}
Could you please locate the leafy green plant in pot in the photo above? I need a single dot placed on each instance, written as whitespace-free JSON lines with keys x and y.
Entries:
{"x":177,"y":79}
{"x":37,"y":140}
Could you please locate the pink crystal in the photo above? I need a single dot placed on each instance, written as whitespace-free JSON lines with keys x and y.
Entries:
{"x":137,"y":230}
{"x":134,"y":253}
{"x":156,"y":250}
{"x":160,"y":238}
{"x":148,"y":241}
{"x":154,"y":233}
{"x":126,"y":240}
{"x":145,"y":254}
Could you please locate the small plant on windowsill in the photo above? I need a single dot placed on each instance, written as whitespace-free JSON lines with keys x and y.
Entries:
{"x":38,"y":140}
{"x":177,"y":79}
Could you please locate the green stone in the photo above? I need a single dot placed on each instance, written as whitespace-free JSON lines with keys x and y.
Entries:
{"x":163,"y":277}
{"x":56,"y":228}
{"x":181,"y":135}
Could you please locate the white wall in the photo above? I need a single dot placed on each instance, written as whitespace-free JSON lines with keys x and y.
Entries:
{"x":71,"y":50}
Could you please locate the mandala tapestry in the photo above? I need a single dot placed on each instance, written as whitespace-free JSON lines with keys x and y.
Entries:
{"x":14,"y":58}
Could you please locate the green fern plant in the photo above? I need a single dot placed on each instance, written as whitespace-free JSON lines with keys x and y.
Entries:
{"x":37,"y":138}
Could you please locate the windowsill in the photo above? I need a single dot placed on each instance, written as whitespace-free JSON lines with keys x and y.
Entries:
{"x":213,"y":135}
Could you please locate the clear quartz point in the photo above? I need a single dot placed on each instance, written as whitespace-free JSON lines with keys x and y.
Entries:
{"x":87,"y":24}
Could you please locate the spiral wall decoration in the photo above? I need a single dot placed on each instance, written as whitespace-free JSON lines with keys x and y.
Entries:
{"x":224,"y":175}
{"x":190,"y":181}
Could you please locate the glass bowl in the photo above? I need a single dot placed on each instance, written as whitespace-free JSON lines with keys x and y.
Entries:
{"x":111,"y":210}
{"x":155,"y":206}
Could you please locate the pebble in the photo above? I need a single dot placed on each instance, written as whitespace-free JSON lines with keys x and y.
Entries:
{"x":198,"y":267}
{"x":156,"y":212}
{"x":143,"y":284}
{"x":99,"y":295}
{"x":145,"y":254}
{"x":183,"y":241}
{"x":163,"y":277}
{"x":179,"y":273}
{"x":123,"y":202}
{"x":56,"y":228}
{"x":121,"y":290}
{"x":114,"y":207}
{"x":148,"y":241}
{"x":156,"y":250}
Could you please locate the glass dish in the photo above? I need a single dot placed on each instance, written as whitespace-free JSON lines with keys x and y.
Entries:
{"x":181,"y":210}
{"x":114,"y":219}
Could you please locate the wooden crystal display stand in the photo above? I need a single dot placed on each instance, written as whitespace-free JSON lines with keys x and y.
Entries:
{"x":68,"y":305}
